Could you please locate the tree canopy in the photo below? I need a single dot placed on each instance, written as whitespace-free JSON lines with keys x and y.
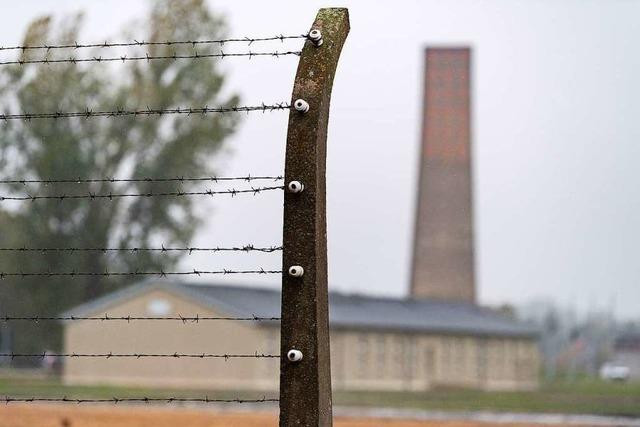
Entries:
{"x":123,"y":147}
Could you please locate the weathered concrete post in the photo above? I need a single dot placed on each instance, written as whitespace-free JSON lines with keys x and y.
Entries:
{"x":305,"y":372}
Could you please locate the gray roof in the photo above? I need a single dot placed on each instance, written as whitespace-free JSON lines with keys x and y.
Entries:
{"x":345,"y":310}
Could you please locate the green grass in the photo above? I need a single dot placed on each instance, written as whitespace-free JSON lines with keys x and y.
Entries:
{"x":578,"y":397}
{"x":52,"y":387}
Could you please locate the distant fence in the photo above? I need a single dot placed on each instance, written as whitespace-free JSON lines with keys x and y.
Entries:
{"x":305,"y":380}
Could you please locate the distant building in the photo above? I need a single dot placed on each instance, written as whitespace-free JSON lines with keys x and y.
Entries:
{"x":376,"y":343}
{"x":438,"y":336}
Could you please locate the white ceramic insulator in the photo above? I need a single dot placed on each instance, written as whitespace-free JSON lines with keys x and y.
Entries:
{"x":316,"y":37}
{"x":296,"y":271}
{"x":295,"y":187}
{"x":294,"y":355}
{"x":301,"y":105}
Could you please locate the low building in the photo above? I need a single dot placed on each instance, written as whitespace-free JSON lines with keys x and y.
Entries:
{"x":376,"y":343}
{"x":438,"y":336}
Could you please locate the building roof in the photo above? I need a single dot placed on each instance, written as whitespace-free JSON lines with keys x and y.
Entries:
{"x":628,"y":341}
{"x":346,"y":311}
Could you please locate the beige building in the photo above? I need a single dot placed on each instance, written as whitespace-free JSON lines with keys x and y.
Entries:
{"x":376,"y":343}
{"x":438,"y":336}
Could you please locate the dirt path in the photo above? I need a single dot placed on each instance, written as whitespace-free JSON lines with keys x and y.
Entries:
{"x":74,"y":416}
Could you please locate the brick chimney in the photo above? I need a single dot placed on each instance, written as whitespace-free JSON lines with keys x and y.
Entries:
{"x":443,"y":256}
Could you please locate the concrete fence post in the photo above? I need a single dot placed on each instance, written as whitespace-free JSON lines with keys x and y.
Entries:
{"x":305,"y":371}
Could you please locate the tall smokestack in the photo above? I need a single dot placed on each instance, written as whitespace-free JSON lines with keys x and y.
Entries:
{"x":443,"y":262}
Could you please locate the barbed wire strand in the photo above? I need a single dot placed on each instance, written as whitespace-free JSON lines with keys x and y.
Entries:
{"x":189,"y":250}
{"x":247,"y":178}
{"x":107,"y":318}
{"x":116,"y":400}
{"x":147,"y":57}
{"x":160,"y":273}
{"x":106,"y":44}
{"x":88,"y":113}
{"x":112,"y":355}
{"x":92,"y":196}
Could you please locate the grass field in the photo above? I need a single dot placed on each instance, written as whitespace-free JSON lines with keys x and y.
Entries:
{"x":580,"y":397}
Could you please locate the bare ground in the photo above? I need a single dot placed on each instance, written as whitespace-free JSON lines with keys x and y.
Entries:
{"x":32,"y":415}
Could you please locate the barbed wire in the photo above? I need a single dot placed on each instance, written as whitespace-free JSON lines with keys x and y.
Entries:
{"x":112,"y":355}
{"x":88,"y":113}
{"x":189,"y":250}
{"x":247,"y":178}
{"x":147,"y":57}
{"x":92,"y":196}
{"x":160,"y":273}
{"x":106,"y":44}
{"x":106,"y":318}
{"x":116,"y":400}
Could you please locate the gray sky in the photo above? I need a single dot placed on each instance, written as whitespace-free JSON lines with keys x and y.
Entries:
{"x":556,"y":140}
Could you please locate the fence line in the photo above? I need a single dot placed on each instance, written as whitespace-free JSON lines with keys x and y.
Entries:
{"x":111,"y":196}
{"x":193,"y":43}
{"x":117,"y":400}
{"x":215,"y":179}
{"x":189,"y":250}
{"x":112,"y":355}
{"x":22,"y":275}
{"x":88,"y":113}
{"x":105,"y":318}
{"x":147,"y":57}
{"x":305,"y":384}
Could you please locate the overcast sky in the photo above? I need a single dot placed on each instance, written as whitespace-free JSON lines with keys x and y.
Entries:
{"x":556,"y":140}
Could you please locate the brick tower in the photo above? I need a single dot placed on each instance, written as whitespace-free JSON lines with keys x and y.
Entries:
{"x":443,"y":261}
